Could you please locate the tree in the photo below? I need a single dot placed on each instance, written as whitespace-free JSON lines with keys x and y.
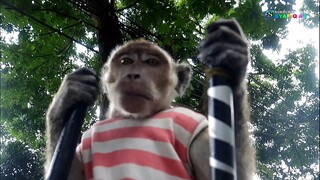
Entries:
{"x":287,"y":116}
{"x":18,"y":161}
{"x":50,"y":32}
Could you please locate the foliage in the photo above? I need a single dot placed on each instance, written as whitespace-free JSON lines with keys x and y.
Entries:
{"x":18,"y":161}
{"x":287,"y":116}
{"x":284,"y":94}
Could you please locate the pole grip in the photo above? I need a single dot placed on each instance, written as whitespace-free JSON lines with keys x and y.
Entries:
{"x":65,"y":149}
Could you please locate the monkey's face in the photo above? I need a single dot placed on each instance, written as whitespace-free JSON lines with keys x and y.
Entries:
{"x":140,"y":80}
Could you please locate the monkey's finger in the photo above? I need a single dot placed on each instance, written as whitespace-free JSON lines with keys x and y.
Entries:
{"x":223,"y":38}
{"x":76,"y":87}
{"x":218,"y":47}
{"x":84,"y":71}
{"x":209,"y":54}
{"x":235,"y":65}
{"x":230,"y":23}
{"x":86,"y":79}
{"x":223,"y":34}
{"x":232,"y":59}
{"x":79,"y":92}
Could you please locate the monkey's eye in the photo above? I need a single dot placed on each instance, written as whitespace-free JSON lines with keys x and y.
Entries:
{"x":152,"y":62}
{"x":126,"y":61}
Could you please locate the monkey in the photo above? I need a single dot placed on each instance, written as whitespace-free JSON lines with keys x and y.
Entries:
{"x":144,"y":137}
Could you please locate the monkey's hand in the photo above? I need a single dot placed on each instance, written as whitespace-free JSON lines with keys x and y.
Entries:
{"x":81,"y":85}
{"x":225,"y":46}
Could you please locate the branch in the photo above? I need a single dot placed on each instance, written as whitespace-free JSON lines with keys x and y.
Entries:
{"x":112,"y":3}
{"x":129,"y":6}
{"x":295,"y":148}
{"x":66,"y":15}
{"x":64,"y":28}
{"x":139,"y":28}
{"x":84,"y":6}
{"x":201,"y":29}
{"x":262,"y":134}
{"x":47,"y":26}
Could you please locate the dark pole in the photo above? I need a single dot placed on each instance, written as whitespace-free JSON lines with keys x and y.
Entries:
{"x":64,"y":152}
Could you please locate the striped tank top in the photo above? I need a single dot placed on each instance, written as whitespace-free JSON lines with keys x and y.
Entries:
{"x":142,"y":149}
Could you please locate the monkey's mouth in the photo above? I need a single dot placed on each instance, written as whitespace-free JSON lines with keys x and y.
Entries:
{"x":134,"y":94}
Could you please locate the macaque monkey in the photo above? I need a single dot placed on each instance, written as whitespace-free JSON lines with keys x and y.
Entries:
{"x":145,"y":137}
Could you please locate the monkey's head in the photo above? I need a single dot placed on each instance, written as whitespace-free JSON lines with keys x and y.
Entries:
{"x":141,"y":79}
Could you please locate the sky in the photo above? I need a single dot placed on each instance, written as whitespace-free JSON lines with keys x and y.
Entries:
{"x":298,"y":36}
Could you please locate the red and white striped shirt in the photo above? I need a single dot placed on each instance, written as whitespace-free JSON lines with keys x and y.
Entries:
{"x":144,"y":149}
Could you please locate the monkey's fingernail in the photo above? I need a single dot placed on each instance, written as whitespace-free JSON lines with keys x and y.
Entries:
{"x":209,"y":59}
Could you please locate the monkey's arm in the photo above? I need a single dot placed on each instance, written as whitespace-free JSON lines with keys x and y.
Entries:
{"x":225,"y":46}
{"x":245,"y":153}
{"x":79,"y":86}
{"x":199,"y":156}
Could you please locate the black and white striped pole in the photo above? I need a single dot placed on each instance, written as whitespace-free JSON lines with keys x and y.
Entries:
{"x":222,"y":51}
{"x":221,"y":127}
{"x":214,"y":53}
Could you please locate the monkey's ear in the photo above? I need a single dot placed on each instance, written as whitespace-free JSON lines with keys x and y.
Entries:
{"x":184,"y":76}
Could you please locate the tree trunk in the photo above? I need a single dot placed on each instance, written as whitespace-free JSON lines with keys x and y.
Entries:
{"x":109,"y":35}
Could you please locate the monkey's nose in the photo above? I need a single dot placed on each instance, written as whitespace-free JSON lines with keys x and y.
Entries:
{"x":133,"y":76}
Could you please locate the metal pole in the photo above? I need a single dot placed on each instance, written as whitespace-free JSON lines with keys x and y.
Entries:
{"x":221,"y":129}
{"x":65,"y":149}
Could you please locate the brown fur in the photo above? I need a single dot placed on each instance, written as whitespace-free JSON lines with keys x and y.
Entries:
{"x":128,"y":75}
{"x":159,"y":83}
